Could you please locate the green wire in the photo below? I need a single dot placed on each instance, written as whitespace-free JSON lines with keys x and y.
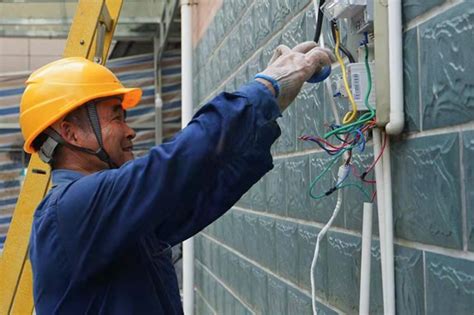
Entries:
{"x":366,"y":194}
{"x":344,"y":129}
{"x":365,"y":117}
{"x":318,"y":178}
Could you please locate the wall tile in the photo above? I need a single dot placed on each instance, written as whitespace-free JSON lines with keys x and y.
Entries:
{"x":254,"y":66}
{"x":409,"y":289}
{"x":324,"y":310}
{"x":276,"y":188}
{"x":240,"y":6}
{"x":269,"y":49}
{"x":219,"y":26}
{"x":446,"y":79}
{"x":258,"y":280}
{"x":258,"y":195}
{"x":247,"y":35}
{"x":343,"y":271}
{"x":287,"y":141}
{"x":322,"y":208}
{"x":293,"y":34}
{"x":297,"y":172}
{"x":262,"y":22}
{"x":236,"y":239}
{"x":280,"y":12}
{"x":244,"y":283}
{"x":306,"y":242}
{"x":201,"y":308}
{"x":230,"y":15}
{"x":310,"y":107}
{"x":353,"y":200}
{"x":427,"y":201}
{"x":223,"y":304}
{"x":233,"y":278}
{"x":251,"y":234}
{"x":266,"y":242}
{"x":449,"y":285}
{"x":468,"y":157}
{"x":276,"y":293}
{"x":376,"y":294}
{"x":410,"y":80}
{"x":298,"y":303}
{"x":286,"y":238}
{"x":235,"y":42}
{"x":413,"y":8}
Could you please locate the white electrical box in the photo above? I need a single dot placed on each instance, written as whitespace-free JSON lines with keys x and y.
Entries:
{"x":357,"y":75}
{"x":337,"y":9}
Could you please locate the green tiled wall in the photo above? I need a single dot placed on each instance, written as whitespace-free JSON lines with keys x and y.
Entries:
{"x":256,"y":258}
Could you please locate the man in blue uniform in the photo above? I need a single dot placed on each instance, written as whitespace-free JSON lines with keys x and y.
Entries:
{"x":101,"y":238}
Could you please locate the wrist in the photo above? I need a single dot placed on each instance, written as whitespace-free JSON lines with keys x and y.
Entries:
{"x":270,"y":83}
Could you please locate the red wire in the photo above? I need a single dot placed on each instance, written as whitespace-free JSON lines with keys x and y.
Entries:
{"x":378,"y":157}
{"x":373,"y":196}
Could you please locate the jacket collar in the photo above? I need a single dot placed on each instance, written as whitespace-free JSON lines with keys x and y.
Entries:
{"x":63,"y":176}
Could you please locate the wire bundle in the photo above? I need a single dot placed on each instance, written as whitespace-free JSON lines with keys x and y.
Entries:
{"x":352,"y":134}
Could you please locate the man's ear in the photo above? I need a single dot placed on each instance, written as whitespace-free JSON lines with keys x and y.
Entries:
{"x":68,"y":131}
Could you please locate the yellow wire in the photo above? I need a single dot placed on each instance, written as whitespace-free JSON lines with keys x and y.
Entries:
{"x":350,"y":116}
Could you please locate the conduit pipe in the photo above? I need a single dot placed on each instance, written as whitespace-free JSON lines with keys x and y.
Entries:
{"x":379,"y":179}
{"x":394,"y":127}
{"x":364,"y":299}
{"x":388,"y":227}
{"x":395,"y":55}
{"x":186,"y":116}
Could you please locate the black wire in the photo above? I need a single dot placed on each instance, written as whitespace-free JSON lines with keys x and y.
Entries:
{"x":342,"y":48}
{"x":319,"y":24}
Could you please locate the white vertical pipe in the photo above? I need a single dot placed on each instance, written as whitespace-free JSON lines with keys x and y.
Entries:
{"x":388,"y":209}
{"x":379,"y":178}
{"x":158,"y":119}
{"x":364,"y":299}
{"x":186,"y":116}
{"x":395,"y":125}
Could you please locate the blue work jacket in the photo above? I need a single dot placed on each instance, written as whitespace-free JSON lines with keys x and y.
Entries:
{"x":100,"y":244}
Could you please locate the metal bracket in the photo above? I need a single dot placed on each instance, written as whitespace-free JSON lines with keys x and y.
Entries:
{"x":104,"y":25}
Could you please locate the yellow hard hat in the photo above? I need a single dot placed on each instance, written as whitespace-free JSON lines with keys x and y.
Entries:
{"x":59,"y":87}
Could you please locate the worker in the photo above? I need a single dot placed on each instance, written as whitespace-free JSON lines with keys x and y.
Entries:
{"x":101,"y":238}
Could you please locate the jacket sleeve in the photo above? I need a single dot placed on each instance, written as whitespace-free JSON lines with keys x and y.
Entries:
{"x":180,"y":186}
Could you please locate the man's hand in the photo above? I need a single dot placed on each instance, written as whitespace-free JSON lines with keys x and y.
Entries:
{"x":292,"y":67}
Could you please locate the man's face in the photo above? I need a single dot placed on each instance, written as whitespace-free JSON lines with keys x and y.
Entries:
{"x":116,"y":134}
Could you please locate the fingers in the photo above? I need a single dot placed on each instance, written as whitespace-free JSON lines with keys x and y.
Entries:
{"x":279,"y":51}
{"x":304,"y":47}
{"x":320,"y":57}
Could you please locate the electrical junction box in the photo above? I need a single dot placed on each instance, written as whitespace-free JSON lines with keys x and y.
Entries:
{"x":357,"y":76}
{"x":364,"y":21}
{"x":339,"y":9}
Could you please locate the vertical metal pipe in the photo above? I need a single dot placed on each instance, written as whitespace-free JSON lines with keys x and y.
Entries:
{"x":186,"y":115}
{"x":388,"y":207}
{"x":364,"y":300}
{"x":381,"y":208}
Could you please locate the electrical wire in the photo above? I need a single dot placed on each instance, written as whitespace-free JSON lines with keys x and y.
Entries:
{"x":342,"y":48}
{"x":319,"y":22}
{"x":350,"y":116}
{"x":321,"y":234}
{"x":366,"y":116}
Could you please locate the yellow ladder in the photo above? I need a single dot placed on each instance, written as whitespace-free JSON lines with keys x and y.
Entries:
{"x":90,"y":36}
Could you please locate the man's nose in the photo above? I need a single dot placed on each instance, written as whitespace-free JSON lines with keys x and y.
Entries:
{"x":131,"y":134}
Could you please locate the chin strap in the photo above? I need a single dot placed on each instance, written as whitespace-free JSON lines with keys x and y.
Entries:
{"x":54,"y":139}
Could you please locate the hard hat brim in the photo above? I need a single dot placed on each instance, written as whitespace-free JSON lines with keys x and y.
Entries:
{"x":131,"y":98}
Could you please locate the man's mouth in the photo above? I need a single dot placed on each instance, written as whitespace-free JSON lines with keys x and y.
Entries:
{"x":128,"y":149}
